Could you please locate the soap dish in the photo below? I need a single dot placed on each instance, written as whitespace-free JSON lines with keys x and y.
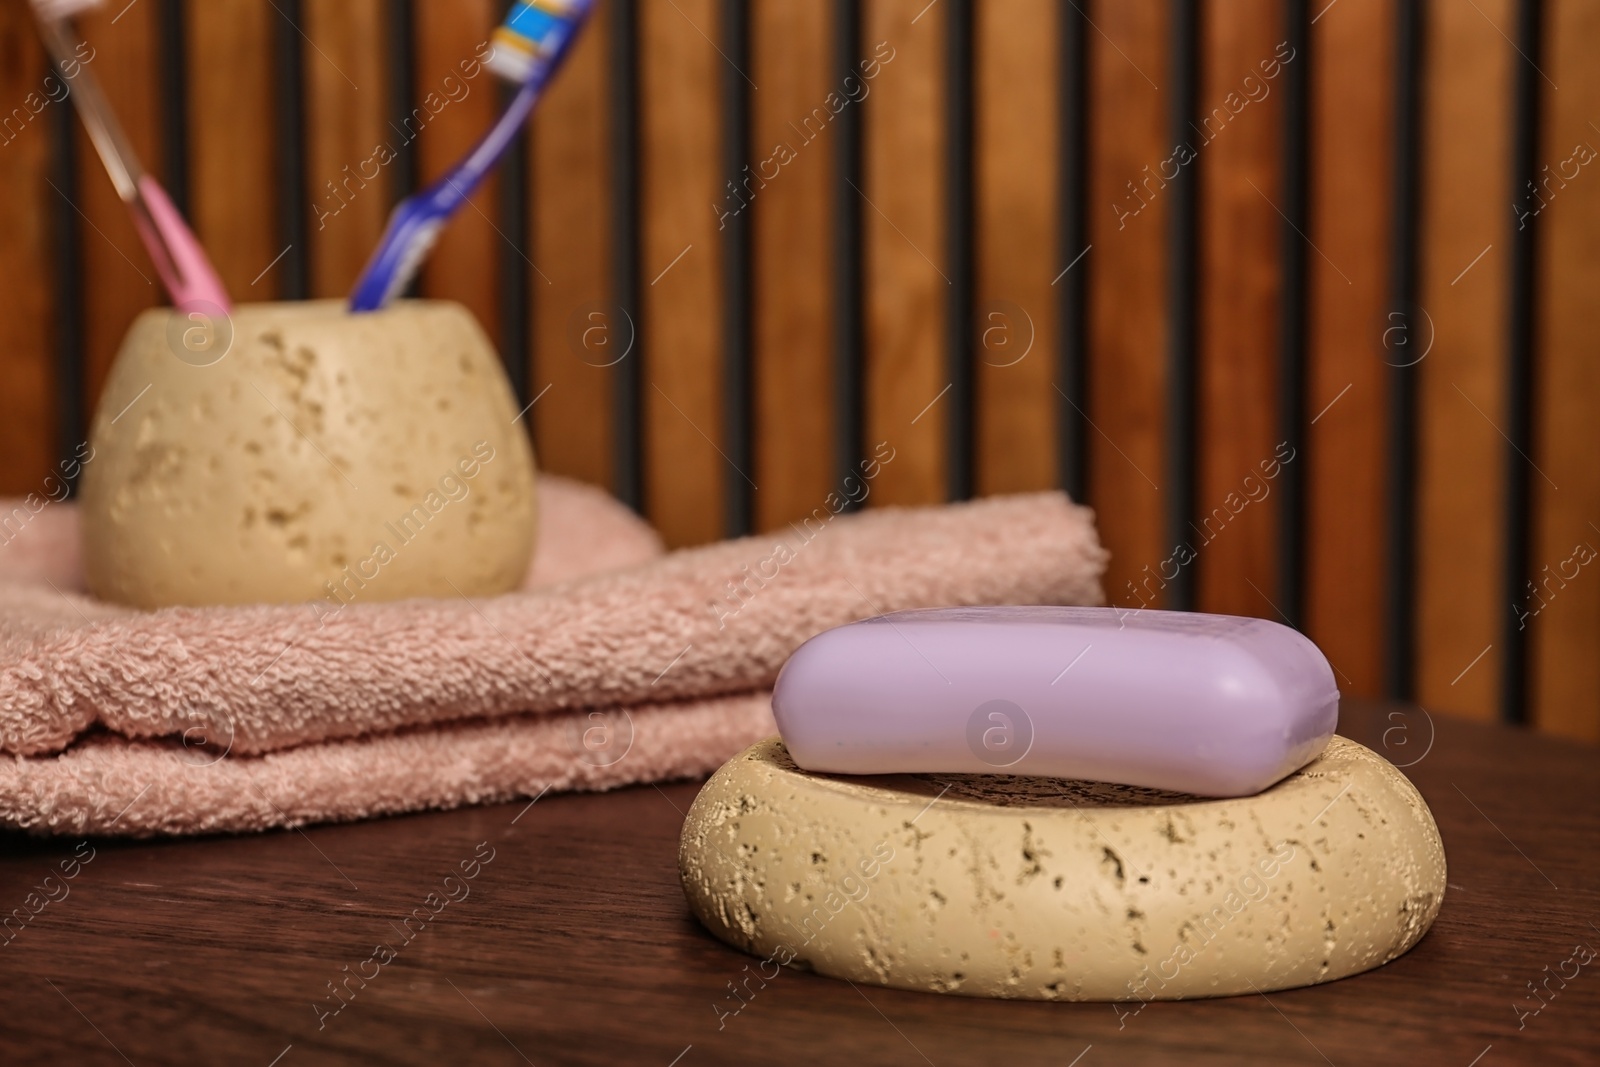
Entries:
{"x":1051,"y":889}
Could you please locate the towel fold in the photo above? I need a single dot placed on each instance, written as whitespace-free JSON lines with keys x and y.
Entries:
{"x":109,"y":785}
{"x":618,"y":664}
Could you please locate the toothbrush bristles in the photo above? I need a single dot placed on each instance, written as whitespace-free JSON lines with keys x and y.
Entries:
{"x":421,"y":243}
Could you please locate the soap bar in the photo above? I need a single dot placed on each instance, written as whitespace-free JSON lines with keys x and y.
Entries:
{"x":1211,"y":705}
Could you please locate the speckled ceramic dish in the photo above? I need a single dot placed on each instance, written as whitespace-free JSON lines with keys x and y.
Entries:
{"x":294,"y":452}
{"x":1052,"y":889}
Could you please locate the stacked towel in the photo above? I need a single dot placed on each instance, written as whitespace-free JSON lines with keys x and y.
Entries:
{"x":618,"y":664}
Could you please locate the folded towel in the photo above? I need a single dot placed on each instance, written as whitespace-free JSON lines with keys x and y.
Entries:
{"x":203,"y":719}
{"x":109,"y":785}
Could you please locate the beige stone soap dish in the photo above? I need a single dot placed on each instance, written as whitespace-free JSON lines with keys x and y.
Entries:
{"x":1036,"y":888}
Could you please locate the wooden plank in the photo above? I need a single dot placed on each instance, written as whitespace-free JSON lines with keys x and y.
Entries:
{"x":680,"y":83}
{"x":1127,"y":293}
{"x":1352,"y":113}
{"x":119,"y":280}
{"x":578,"y":331}
{"x":1017,"y":216}
{"x":346,"y":117}
{"x":572,"y":943}
{"x":1565,"y":638}
{"x":233,"y":196}
{"x":904,"y":245}
{"x":1239,"y":142}
{"x":1462,"y":386}
{"x":31,"y":92}
{"x":456,"y":99}
{"x":792,"y":139}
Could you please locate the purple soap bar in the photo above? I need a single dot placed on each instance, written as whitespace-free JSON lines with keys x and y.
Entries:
{"x":1212,"y":705}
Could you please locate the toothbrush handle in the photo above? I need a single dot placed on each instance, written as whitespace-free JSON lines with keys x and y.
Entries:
{"x":487,"y":152}
{"x":179,"y":259}
{"x":456,"y":186}
{"x":416,"y":221}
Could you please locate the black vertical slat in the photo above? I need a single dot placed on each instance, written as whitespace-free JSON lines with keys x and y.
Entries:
{"x":400,"y":43}
{"x":289,"y":142}
{"x":71,"y":399}
{"x":1401,"y":485}
{"x":628,"y":412}
{"x":1182,"y":303}
{"x":1292,"y":258}
{"x":1072,"y":285}
{"x":516,"y":324}
{"x":959,"y":323}
{"x":738,"y":505}
{"x":848,"y":409}
{"x":1520,"y":354}
{"x":174,"y":84}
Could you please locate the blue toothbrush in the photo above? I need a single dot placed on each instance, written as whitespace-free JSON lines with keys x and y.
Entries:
{"x":528,"y":49}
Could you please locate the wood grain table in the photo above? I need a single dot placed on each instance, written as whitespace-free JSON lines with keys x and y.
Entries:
{"x":570,"y":943}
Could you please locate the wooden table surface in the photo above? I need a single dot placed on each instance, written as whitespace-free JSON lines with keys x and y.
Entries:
{"x":573,"y":945}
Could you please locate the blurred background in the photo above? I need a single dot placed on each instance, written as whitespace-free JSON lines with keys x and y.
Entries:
{"x":1302,"y":297}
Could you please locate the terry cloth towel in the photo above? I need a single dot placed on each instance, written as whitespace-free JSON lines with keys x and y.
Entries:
{"x":619,"y":664}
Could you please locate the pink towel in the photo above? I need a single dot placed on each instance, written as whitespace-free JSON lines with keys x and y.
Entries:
{"x":618,"y":665}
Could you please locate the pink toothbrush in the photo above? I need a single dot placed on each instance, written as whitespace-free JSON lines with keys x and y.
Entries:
{"x":180,"y":261}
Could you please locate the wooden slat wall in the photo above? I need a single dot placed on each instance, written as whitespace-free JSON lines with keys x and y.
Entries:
{"x":27,"y":378}
{"x":1352,"y":94}
{"x":907,"y":279}
{"x":682,"y":256}
{"x":794,"y":254}
{"x":911,"y":237}
{"x":1018,"y":163}
{"x":1566,"y":570}
{"x":230,"y":162}
{"x":579,"y":335}
{"x":1127,"y":294}
{"x":346,"y":118}
{"x":1465,"y":215}
{"x":1241,"y":119}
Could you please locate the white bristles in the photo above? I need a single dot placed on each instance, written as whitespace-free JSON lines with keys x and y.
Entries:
{"x":422,"y":242}
{"x":511,"y":64}
{"x":64,"y":9}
